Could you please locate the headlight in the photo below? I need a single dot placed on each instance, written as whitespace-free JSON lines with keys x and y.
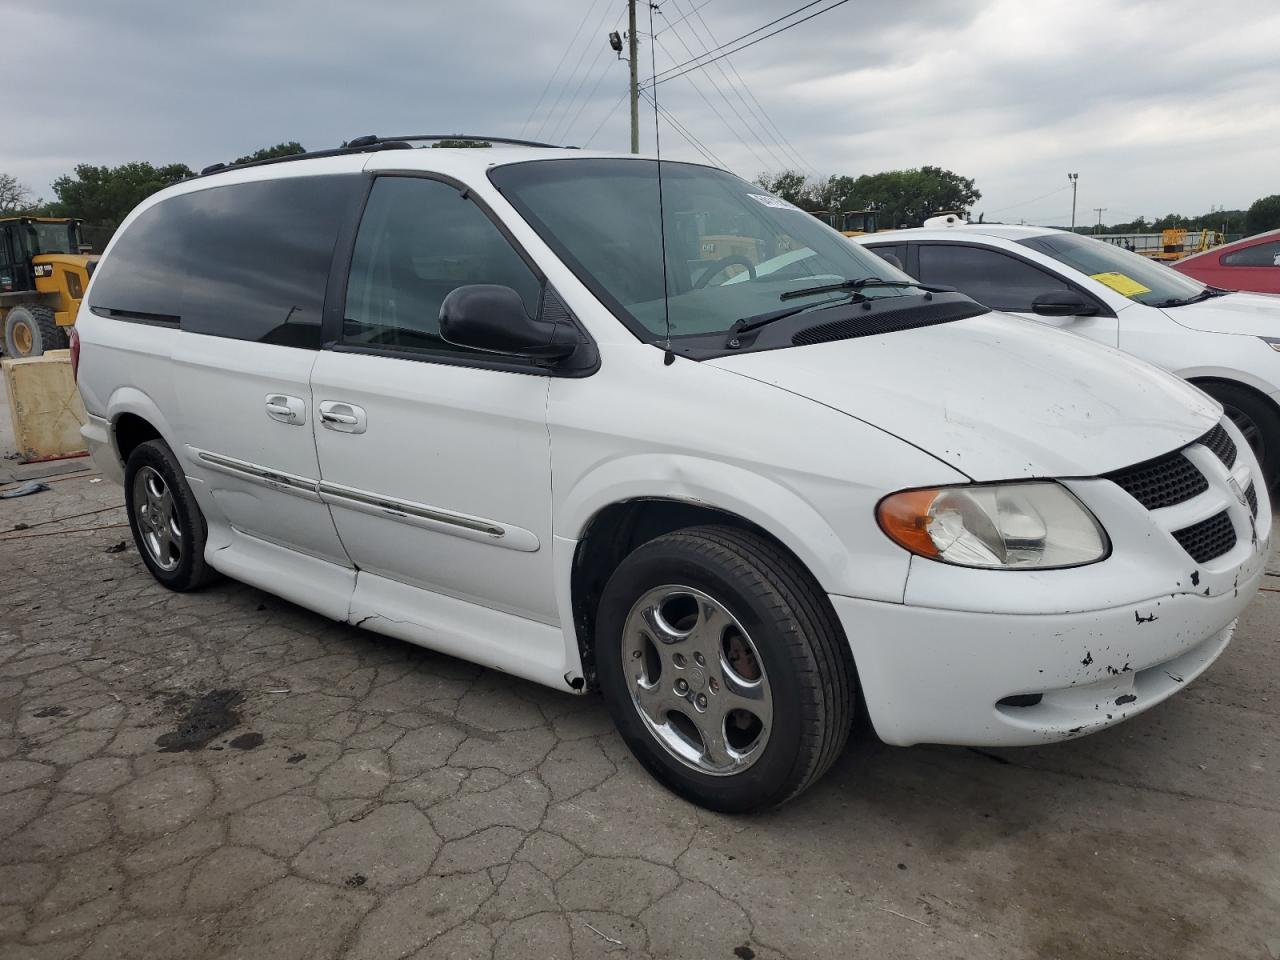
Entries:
{"x":74,"y":287}
{"x":1034,"y":525}
{"x":1272,"y":342}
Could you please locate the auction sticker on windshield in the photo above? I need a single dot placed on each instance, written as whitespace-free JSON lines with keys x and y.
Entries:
{"x":1121,"y":284}
{"x":770,"y":201}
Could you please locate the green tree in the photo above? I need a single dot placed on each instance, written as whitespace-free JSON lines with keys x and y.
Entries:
{"x":1264,"y":214}
{"x":270,"y":153}
{"x":14,"y":195}
{"x":911,"y":196}
{"x":105,"y":195}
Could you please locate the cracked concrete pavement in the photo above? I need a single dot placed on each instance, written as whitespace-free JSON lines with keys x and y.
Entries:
{"x":223,"y":774}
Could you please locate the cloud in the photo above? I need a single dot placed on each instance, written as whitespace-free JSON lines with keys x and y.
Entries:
{"x":1158,"y":105}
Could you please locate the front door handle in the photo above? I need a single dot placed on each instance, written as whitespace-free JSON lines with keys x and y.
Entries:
{"x":286,"y":409}
{"x":342,"y":417}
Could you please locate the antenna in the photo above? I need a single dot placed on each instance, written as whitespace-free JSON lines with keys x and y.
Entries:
{"x":668,"y":357}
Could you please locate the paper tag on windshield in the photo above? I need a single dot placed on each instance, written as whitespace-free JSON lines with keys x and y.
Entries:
{"x":1121,"y":284}
{"x":766,"y":200}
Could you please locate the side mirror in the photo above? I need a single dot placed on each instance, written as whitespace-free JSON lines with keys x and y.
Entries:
{"x":890,"y":259}
{"x":1063,"y":303}
{"x":485,"y":316}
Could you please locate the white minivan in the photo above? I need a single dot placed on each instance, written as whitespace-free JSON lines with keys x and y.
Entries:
{"x":667,"y":437}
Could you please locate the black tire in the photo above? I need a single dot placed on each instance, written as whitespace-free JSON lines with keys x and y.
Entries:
{"x":1259,"y":421}
{"x":803,"y":650}
{"x":34,"y":324}
{"x":189,"y":571}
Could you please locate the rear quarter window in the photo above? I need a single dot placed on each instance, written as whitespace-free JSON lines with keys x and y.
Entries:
{"x":249,"y":261}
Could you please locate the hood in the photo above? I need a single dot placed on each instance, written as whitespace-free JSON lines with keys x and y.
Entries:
{"x":996,"y":397}
{"x":1252,"y":314}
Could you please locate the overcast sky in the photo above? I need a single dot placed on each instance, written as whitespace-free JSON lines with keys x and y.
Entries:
{"x":1161,"y":106}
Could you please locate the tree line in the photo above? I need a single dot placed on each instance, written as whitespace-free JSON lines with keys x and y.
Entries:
{"x":903,"y":198}
{"x":1262,"y":215}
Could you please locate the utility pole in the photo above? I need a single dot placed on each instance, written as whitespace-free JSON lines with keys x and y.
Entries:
{"x":1101,"y":211}
{"x":635,"y":76}
{"x":1075,"y":179}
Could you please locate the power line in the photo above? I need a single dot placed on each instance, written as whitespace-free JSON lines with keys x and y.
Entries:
{"x":768,"y":124}
{"x":572,"y":73}
{"x":674,"y":22}
{"x":673,"y":72}
{"x":558,"y":135}
{"x":728,"y":103}
{"x":1033,"y":200}
{"x":605,"y":119}
{"x":684,"y":132}
{"x":591,"y":96}
{"x":554,"y":73}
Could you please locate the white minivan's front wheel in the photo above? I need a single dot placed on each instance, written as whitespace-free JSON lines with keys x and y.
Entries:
{"x":724,"y":668}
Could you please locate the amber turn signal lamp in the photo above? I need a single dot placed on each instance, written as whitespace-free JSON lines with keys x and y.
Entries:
{"x":904,"y":517}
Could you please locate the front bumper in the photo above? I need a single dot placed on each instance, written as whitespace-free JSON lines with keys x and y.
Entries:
{"x":938,"y":676}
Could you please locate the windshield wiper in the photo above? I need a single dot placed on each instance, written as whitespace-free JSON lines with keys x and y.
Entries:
{"x":853,"y":286}
{"x":764,"y":319}
{"x":1204,"y":294}
{"x":860,"y":284}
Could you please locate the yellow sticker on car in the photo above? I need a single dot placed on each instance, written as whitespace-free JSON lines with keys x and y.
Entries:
{"x":1121,"y":284}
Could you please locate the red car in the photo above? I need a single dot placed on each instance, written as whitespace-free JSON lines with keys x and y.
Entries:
{"x":1249,"y":264}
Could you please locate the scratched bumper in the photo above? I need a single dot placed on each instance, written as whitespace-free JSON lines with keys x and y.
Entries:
{"x":939,"y":676}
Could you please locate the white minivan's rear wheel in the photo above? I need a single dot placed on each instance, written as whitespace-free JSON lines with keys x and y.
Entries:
{"x":168,"y":527}
{"x":724,"y":668}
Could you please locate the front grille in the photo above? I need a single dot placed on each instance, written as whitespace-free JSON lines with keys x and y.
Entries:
{"x":1208,"y":538}
{"x":888,"y":321}
{"x":1252,"y":496}
{"x":1220,"y":442}
{"x":1162,"y":482}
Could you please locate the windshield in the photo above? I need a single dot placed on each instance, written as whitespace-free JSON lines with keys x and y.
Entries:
{"x":1134,"y":276}
{"x":53,"y":238}
{"x":732,"y":250}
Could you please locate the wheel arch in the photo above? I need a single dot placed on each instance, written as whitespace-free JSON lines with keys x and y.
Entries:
{"x":617,"y":529}
{"x":1243,"y":381}
{"x":135,"y":419}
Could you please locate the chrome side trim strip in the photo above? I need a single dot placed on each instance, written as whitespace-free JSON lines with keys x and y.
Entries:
{"x":432,"y":518}
{"x":276,"y":479}
{"x":407,"y":508}
{"x":335,"y":494}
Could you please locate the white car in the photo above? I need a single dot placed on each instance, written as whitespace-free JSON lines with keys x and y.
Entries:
{"x":1225,"y":343}
{"x":460,"y":397}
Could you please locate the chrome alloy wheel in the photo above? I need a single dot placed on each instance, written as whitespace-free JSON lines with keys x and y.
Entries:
{"x":157,"y":520}
{"x":697,"y":680}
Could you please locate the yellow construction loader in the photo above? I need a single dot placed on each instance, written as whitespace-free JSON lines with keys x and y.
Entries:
{"x":44,"y":268}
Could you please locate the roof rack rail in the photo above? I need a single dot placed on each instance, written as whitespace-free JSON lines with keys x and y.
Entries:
{"x":378,"y":143}
{"x":370,"y":143}
{"x":372,"y":139}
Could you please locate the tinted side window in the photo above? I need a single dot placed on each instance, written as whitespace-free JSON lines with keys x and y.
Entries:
{"x":258,"y":257}
{"x":419,"y":240}
{"x":1259,"y":255}
{"x":142,"y":277}
{"x":896,"y":251}
{"x":246,"y":260}
{"x":988,"y":276}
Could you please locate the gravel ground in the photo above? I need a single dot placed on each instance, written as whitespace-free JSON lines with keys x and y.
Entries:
{"x":225,"y":774}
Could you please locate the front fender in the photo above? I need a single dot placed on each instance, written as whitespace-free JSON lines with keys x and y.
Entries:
{"x":783,"y":512}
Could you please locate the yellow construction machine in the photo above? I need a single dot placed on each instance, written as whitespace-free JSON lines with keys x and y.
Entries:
{"x":44,"y":268}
